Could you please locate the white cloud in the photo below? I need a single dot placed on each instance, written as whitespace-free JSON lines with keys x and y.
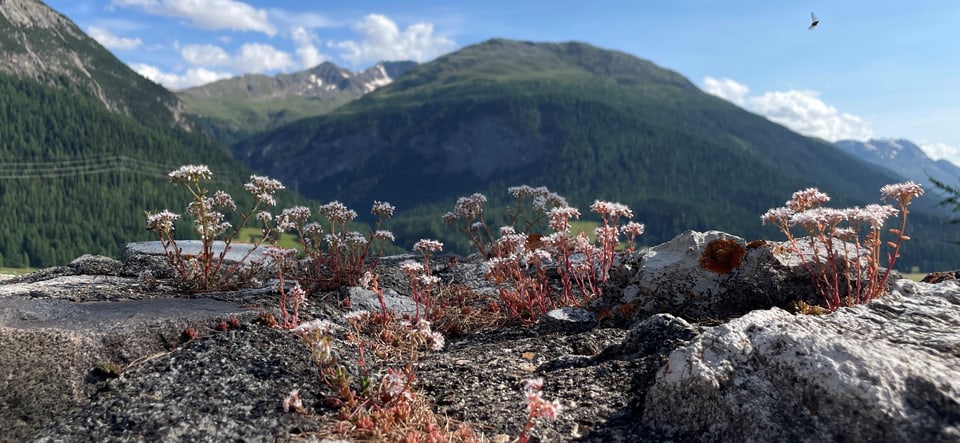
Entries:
{"x":307,"y":50}
{"x":250,"y":58}
{"x":800,"y":110}
{"x":192,"y":77}
{"x":258,"y":57}
{"x":209,"y":14}
{"x":210,"y":55}
{"x":941,"y":151}
{"x":110,"y":41}
{"x":726,"y":89}
{"x":804,"y":112}
{"x":382,"y":40}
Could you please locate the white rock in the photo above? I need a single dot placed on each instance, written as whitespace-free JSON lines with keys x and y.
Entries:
{"x":885,"y":371}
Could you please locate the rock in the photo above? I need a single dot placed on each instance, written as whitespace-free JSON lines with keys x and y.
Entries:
{"x":367,"y":300}
{"x":708,"y":276}
{"x":568,"y":319}
{"x":92,"y":352}
{"x":937,"y":277}
{"x":885,"y":371}
{"x":58,"y":325}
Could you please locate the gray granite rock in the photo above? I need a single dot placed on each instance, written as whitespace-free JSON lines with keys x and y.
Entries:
{"x":885,"y":371}
{"x":671,"y":278}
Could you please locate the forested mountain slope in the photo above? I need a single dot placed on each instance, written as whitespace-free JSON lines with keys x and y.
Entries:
{"x":589,"y":124}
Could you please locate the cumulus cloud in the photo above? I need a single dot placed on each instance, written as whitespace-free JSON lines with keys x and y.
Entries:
{"x":383,"y":40}
{"x":110,"y":41}
{"x":208,"y":14}
{"x":192,"y":77}
{"x":210,"y":55}
{"x":941,"y":151}
{"x":258,"y":57}
{"x":307,"y":50}
{"x":250,"y":58}
{"x":800,"y":110}
{"x":726,"y":89}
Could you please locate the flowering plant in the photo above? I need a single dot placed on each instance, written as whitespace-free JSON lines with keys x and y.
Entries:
{"x":336,"y":254}
{"x":206,"y":271}
{"x":519,"y":260}
{"x":844,"y":267}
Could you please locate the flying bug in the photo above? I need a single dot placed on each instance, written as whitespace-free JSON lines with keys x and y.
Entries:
{"x":814,"y":21}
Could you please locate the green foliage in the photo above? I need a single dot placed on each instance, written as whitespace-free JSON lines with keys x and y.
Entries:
{"x":75,"y":178}
{"x":950,"y":200}
{"x":952,"y":197}
{"x":589,"y":124}
{"x":230,"y":119}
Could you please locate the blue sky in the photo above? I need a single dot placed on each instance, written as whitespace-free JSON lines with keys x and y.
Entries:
{"x":879,"y":69}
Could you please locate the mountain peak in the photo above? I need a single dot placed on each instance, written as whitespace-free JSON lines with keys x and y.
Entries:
{"x":902,"y":157}
{"x":38,"y":43}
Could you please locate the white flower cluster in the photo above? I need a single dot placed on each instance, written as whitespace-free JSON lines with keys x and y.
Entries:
{"x":190,"y":174}
{"x":263,"y":188}
{"x":162,"y":222}
{"x":338,"y":212}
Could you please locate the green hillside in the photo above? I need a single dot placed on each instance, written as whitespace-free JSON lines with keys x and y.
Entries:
{"x":76,"y":178}
{"x":585,"y":122}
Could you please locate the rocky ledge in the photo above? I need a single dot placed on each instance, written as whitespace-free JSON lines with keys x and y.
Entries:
{"x":675,"y":350}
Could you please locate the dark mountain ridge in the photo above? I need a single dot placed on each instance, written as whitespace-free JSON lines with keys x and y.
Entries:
{"x":586,"y":122}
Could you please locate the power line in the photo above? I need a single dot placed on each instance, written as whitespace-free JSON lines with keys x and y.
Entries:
{"x":83,"y":167}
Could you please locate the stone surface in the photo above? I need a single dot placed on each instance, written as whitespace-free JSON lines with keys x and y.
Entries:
{"x":669,"y":278}
{"x":885,"y":371}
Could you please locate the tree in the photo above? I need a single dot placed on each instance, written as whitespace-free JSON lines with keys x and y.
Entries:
{"x":952,"y":198}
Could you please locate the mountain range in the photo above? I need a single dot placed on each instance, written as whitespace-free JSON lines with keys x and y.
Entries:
{"x":904,"y":158}
{"x":39,"y":43}
{"x":588,"y":123}
{"x":85,"y":144}
{"x":233,"y":109}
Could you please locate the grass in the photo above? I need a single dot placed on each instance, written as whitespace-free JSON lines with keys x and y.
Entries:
{"x":250,"y":235}
{"x":16,"y":271}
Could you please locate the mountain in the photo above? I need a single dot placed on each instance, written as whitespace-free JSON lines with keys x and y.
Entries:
{"x":85,"y":144}
{"x":39,"y":43}
{"x":904,"y":158}
{"x":588,"y":123}
{"x":233,"y":109}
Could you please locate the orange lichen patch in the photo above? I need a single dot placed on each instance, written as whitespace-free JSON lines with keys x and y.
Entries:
{"x":756,"y":244}
{"x":534,"y":241}
{"x":722,"y":256}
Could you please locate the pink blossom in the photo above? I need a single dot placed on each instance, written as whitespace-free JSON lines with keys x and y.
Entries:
{"x":338,"y":212}
{"x":612,"y":210}
{"x":469,"y":208}
{"x":902,"y":192}
{"x":806,"y":199}
{"x":383,"y":210}
{"x":162,"y":222}
{"x":383,"y":235}
{"x":876,"y":215}
{"x":224,"y":201}
{"x":633,"y":228}
{"x":560,"y":218}
{"x":411,"y":267}
{"x":778,"y":216}
{"x":262,"y":188}
{"x":292,"y":401}
{"x":427,"y":246}
{"x":190,"y":173}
